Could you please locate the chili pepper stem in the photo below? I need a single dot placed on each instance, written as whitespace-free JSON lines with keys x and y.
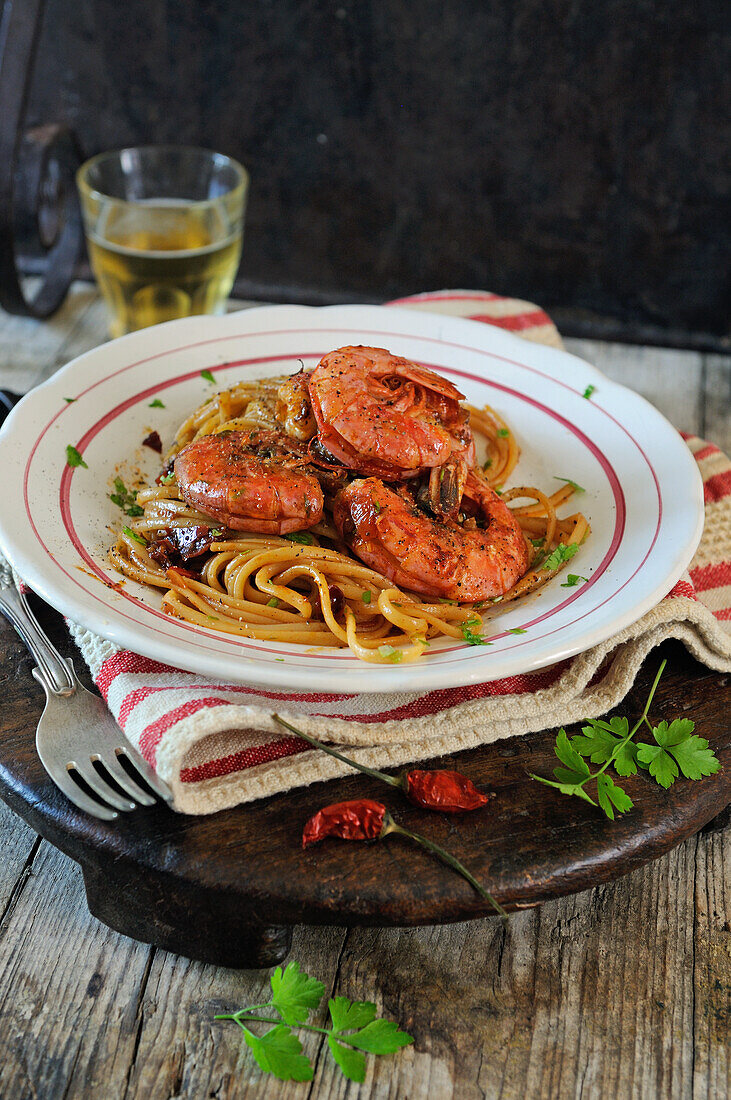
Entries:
{"x":391,"y":780}
{"x":390,"y":826}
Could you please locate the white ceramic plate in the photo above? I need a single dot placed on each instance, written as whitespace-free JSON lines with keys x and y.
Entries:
{"x":643,"y":491}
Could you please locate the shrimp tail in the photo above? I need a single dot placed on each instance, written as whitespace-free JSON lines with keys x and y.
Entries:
{"x":446,"y":487}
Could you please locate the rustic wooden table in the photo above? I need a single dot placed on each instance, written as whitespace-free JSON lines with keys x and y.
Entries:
{"x":623,"y":990}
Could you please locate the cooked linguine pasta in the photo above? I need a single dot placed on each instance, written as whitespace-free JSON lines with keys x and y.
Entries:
{"x":308,"y":588}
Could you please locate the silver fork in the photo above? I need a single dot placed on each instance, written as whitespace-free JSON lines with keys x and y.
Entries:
{"x":76,"y":731}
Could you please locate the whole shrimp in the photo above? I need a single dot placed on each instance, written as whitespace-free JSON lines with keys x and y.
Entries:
{"x":250,"y":481}
{"x":475,"y":560}
{"x":383,"y":415}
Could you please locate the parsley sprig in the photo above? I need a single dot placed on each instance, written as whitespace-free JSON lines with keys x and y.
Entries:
{"x":125,"y":499}
{"x":469,"y":634}
{"x":134,"y":536}
{"x":563,"y":552}
{"x":573,"y":579}
{"x":574,"y":485}
{"x":353,"y":1028}
{"x":676,"y":749}
{"x":390,"y":653}
{"x":301,"y":536}
{"x":74,"y":457}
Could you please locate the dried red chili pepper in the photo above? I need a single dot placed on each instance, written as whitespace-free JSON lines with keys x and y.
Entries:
{"x":176,"y":544}
{"x":166,"y":471}
{"x":446,"y":791}
{"x":337,"y":599}
{"x":450,"y":792}
{"x":364,"y":819}
{"x":153,"y":441}
{"x":361,"y":819}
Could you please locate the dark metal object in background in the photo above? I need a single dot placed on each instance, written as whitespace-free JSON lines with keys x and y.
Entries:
{"x":7,"y":401}
{"x":37,"y":194}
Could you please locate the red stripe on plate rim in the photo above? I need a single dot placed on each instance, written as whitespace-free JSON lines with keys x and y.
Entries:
{"x":253,"y":649}
{"x":247,"y":645}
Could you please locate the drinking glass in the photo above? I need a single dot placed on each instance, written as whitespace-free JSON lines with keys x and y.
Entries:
{"x":164,"y":226}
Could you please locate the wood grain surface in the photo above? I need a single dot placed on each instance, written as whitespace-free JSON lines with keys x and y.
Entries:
{"x":623,"y":990}
{"x":220,"y":887}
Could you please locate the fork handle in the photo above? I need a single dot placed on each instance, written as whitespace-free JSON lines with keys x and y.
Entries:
{"x":57,"y":675}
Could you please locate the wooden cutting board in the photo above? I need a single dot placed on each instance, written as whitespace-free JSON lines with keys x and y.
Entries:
{"x":228,"y":888}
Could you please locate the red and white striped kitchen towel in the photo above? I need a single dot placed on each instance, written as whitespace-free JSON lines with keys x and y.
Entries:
{"x":216,"y":744}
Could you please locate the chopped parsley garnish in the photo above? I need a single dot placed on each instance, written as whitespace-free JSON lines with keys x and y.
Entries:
{"x":503,"y":433}
{"x":561,"y":554}
{"x":572,"y":580}
{"x":125,"y":499}
{"x":487,"y":464}
{"x":69,"y":400}
{"x":498,"y":489}
{"x":537,"y":542}
{"x":274,"y":602}
{"x":216,"y":532}
{"x":443,"y":599}
{"x":208,"y":376}
{"x":366,"y":596}
{"x":168,"y":478}
{"x":470,"y":636}
{"x":156,"y":404}
{"x":517,"y":630}
{"x":391,"y":654}
{"x":133,"y":535}
{"x":301,"y":536}
{"x":588,"y":392}
{"x":574,"y":486}
{"x":377,"y":507}
{"x":73,"y":457}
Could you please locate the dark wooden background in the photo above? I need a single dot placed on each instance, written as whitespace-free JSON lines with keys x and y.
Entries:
{"x":571,"y":152}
